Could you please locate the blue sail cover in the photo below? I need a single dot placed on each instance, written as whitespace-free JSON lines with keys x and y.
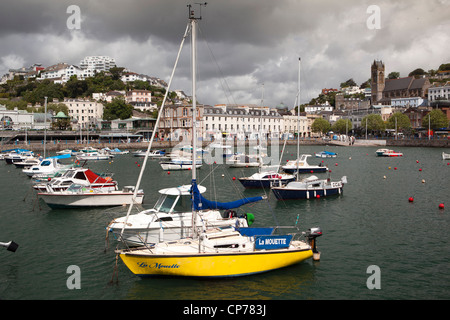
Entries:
{"x":200,"y":203}
{"x":61,"y":156}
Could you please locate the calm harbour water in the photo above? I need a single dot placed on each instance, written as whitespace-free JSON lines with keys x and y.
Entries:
{"x":372,"y":223}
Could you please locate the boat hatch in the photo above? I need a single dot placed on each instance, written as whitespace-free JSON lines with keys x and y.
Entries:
{"x":164,"y":219}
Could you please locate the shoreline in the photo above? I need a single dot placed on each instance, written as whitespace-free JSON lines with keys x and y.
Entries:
{"x":55,"y":145}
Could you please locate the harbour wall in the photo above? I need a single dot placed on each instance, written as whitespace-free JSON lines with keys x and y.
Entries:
{"x":55,"y":145}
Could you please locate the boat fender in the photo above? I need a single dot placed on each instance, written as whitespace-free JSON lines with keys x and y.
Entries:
{"x":250,"y":218}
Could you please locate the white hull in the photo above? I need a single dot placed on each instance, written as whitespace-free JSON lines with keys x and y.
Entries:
{"x":143,"y":228}
{"x":244,"y":165}
{"x":94,"y":157}
{"x":110,"y":199}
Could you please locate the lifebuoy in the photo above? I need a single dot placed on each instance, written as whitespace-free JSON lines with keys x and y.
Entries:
{"x":77,"y":162}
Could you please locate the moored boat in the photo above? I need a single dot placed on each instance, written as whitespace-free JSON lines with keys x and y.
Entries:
{"x":325,"y":154}
{"x":243,"y":161}
{"x":388,"y":153}
{"x":48,"y":166}
{"x":85,"y":196}
{"x":302,"y":166}
{"x":266,"y":177}
{"x":309,"y":188}
{"x":79,"y":176}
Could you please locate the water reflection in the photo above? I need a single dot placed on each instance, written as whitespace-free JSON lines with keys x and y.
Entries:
{"x":293,"y":282}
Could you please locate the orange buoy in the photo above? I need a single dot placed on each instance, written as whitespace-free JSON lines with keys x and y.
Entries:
{"x":168,"y":172}
{"x":411,"y":199}
{"x":441,"y":206}
{"x":318,"y":196}
{"x":234,"y":178}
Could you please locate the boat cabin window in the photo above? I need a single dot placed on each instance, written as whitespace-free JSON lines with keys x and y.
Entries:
{"x":173,"y":203}
{"x":45,"y":163}
{"x":69,"y":173}
{"x":80,"y":175}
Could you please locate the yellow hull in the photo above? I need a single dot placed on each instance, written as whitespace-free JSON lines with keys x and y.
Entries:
{"x":212,"y":265}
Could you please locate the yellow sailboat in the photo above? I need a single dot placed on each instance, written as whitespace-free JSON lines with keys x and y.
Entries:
{"x":218,"y":252}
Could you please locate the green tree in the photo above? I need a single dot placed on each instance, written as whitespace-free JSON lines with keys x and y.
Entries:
{"x":436,"y":118}
{"x":348,"y":83}
{"x":374,"y":122}
{"x":417,"y":72}
{"x":342,"y":126}
{"x":444,"y":67}
{"x":117,"y":109}
{"x":394,"y":75}
{"x":320,"y":125}
{"x":402,"y":121}
{"x":75,"y":88}
{"x":44,"y":89}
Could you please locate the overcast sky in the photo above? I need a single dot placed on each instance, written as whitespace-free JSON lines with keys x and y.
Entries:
{"x":244,"y":45}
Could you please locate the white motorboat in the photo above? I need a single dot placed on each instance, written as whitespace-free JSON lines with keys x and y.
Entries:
{"x":84,"y":196}
{"x":18,"y":155}
{"x":48,"y":166}
{"x":303,"y":166}
{"x":266,"y":177}
{"x":445,"y":156}
{"x":28,"y":162}
{"x":180,"y":164}
{"x":309,"y":188}
{"x":80,"y":176}
{"x":220,"y":149}
{"x":243,"y":161}
{"x":325,"y":154}
{"x":171,"y":219}
{"x":155,"y":154}
{"x":95,"y":156}
{"x":388,"y":153}
{"x":115,"y":151}
{"x":67,"y":151}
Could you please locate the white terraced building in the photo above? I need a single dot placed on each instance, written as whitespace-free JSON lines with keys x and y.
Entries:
{"x":241,"y":122}
{"x":94,"y":64}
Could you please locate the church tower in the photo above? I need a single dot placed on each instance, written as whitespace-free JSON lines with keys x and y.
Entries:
{"x":378,"y":81}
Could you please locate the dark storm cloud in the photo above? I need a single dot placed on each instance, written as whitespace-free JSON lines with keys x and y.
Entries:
{"x":242,"y":43}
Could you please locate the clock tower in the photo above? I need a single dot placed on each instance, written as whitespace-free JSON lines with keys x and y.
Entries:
{"x":378,"y":81}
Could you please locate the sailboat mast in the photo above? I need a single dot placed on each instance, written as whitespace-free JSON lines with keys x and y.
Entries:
{"x":298,"y":117}
{"x":194,"y":98}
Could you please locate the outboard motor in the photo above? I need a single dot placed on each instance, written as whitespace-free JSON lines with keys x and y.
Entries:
{"x":312,"y":234}
{"x":10,"y":246}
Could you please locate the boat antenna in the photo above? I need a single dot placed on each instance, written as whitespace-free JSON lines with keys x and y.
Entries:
{"x":298,"y":117}
{"x":192,"y":12}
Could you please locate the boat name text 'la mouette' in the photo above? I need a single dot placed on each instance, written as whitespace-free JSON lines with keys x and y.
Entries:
{"x":157,"y":265}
